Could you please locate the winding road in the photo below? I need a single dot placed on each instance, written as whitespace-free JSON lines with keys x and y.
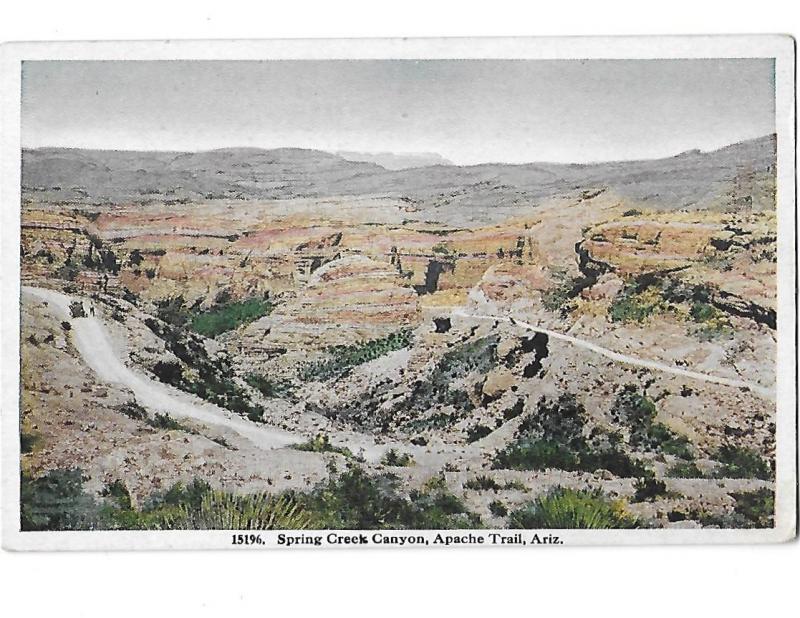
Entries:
{"x":92,"y":341}
{"x":624,"y":358}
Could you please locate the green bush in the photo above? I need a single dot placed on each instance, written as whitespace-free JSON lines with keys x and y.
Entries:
{"x":165,"y":421}
{"x":741,"y":463}
{"x":525,"y":454}
{"x":343,"y":358}
{"x":684,"y":470}
{"x":648,"y":489}
{"x":498,"y":509}
{"x":476,"y":432}
{"x":322,"y":444}
{"x":669,"y":442}
{"x":569,"y":508}
{"x":752,"y":509}
{"x":56,"y":501}
{"x":553,"y":437}
{"x":397,"y":459}
{"x":27,"y":442}
{"x":219,"y":510}
{"x":638,"y":412}
{"x":515,"y":485}
{"x":168,"y":372}
{"x":350,"y":500}
{"x":757,"y":507}
{"x":229,"y":316}
{"x":271,"y":389}
{"x":354,"y":500}
{"x":133,"y":410}
{"x":118,"y":492}
{"x":172,"y":310}
{"x":712,"y":323}
{"x":482,"y":483}
{"x":212,"y":379}
{"x":514,"y":410}
{"x":634,"y":305}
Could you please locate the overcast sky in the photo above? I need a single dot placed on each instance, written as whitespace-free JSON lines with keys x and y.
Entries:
{"x":468,"y":111}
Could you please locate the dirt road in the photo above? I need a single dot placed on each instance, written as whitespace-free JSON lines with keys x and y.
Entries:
{"x":90,"y":338}
{"x":92,"y":342}
{"x":623,"y":358}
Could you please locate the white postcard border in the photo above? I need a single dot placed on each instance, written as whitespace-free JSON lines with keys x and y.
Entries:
{"x":780,"y":47}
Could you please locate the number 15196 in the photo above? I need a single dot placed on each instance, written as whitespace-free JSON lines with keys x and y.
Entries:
{"x":247,"y":539}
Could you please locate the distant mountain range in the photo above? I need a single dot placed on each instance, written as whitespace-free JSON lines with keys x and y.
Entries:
{"x":692,"y":179}
{"x":395,"y":160}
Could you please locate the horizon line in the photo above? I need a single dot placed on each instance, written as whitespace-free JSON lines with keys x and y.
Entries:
{"x":335,"y":153}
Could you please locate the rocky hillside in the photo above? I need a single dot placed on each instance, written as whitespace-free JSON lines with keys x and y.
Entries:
{"x":737,"y":175}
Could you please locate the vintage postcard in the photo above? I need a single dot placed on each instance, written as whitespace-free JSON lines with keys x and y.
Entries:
{"x":398,"y":293}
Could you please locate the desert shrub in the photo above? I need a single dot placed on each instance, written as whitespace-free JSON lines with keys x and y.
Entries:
{"x":632,"y":213}
{"x":498,"y":509}
{"x":68,"y":272}
{"x":56,"y":501}
{"x":634,"y":305}
{"x":718,"y":262}
{"x":172,"y":310}
{"x":434,"y":510}
{"x":255,"y":413}
{"x":648,"y":489}
{"x":514,"y":410}
{"x":133,"y":410}
{"x":752,"y":509}
{"x":397,"y":459}
{"x":711,"y":322}
{"x":757,"y":507}
{"x":229,"y":316}
{"x":635,"y":410}
{"x":322,"y":444}
{"x":515,"y":485}
{"x":118,"y":492}
{"x":223,"y":443}
{"x":669,"y":442}
{"x":27,"y":442}
{"x":476,"y":432}
{"x":570,"y":508}
{"x":197,"y":506}
{"x":180,"y":494}
{"x":684,"y":470}
{"x":272,"y":389}
{"x":482,"y":483}
{"x":219,"y":510}
{"x":129,"y":296}
{"x":168,"y":372}
{"x":553,"y":437}
{"x":741,"y":463}
{"x":214,"y":379}
{"x":165,"y":421}
{"x":354,"y":500}
{"x":343,"y":358}
{"x":537,"y":455}
{"x":638,"y":412}
{"x":135,"y":258}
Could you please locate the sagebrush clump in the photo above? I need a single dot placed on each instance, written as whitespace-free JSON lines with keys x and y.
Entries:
{"x":570,"y":508}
